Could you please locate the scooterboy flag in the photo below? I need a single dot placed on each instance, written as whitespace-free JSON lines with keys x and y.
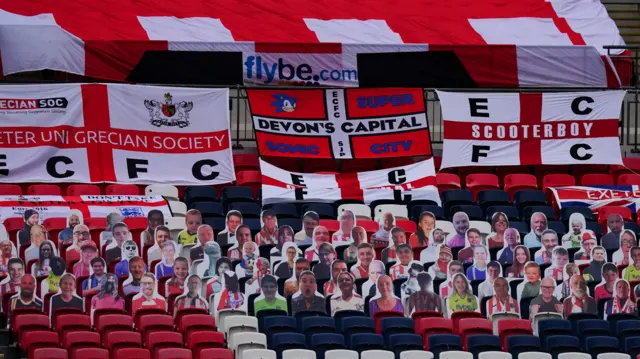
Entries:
{"x":413,"y":182}
{"x":489,"y":129}
{"x":339,"y":123}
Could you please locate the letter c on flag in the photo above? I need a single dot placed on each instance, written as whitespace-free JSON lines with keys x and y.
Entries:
{"x":397,"y":176}
{"x":574,"y":152}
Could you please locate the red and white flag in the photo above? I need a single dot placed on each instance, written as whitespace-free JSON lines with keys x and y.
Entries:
{"x":489,"y":129}
{"x":413,"y":182}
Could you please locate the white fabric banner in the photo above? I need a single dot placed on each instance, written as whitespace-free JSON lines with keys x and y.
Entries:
{"x":492,"y":129}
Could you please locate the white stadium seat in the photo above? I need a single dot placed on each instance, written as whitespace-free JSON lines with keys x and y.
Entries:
{"x":495,"y":318}
{"x":240,"y":323}
{"x":482,"y":226}
{"x":222,"y":315}
{"x":574,"y":355}
{"x":241,"y":342}
{"x":446,"y":226}
{"x":168,"y":191}
{"x":298,"y":354}
{"x":376,"y":354}
{"x":456,"y":354}
{"x":399,"y":211}
{"x":361,"y":211}
{"x":416,"y":354}
{"x":494,"y":355}
{"x":258,"y":354}
{"x":178,"y":208}
{"x":341,"y":353}
{"x":534,"y":355}
{"x":613,"y":356}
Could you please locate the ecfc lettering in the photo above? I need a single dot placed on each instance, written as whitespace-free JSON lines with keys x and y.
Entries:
{"x":289,"y":148}
{"x":378,"y":148}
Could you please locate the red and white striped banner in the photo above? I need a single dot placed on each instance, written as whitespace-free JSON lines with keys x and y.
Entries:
{"x":406,"y":183}
{"x":489,"y":129}
{"x":114,"y":133}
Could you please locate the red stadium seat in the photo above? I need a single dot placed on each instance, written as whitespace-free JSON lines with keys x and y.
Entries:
{"x":378,"y":316}
{"x":430,"y":326}
{"x":477,"y":182}
{"x":215,"y":353}
{"x":154,"y":323}
{"x":131,"y":353}
{"x":122,"y":190}
{"x":83,"y":190}
{"x":19,"y":312}
{"x":161,"y":340}
{"x":416,"y":316}
{"x":174,"y":353}
{"x":509,"y":327}
{"x":369,"y":226}
{"x":181,"y":313}
{"x":33,"y":340}
{"x":447,"y":181}
{"x":580,"y":170}
{"x":197,"y":323}
{"x":246,"y":162}
{"x":143,"y":312}
{"x":13,"y":225}
{"x":628,"y":180}
{"x":136,"y":227}
{"x":408,"y":226}
{"x":473,"y":326}
{"x":604,"y":212}
{"x":62,"y":312}
{"x":463,"y":172}
{"x":519,"y":182}
{"x":591,"y":179}
{"x":54,"y":226}
{"x":73,"y":323}
{"x":10,"y":190}
{"x":91,"y":353}
{"x":457,"y":316}
{"x":77,"y":340}
{"x":503,"y":171}
{"x":332,"y":225}
{"x":125,"y":339}
{"x":44,"y":190}
{"x":543,"y":170}
{"x":49,"y":353}
{"x":199,"y":341}
{"x":251,"y":179}
{"x":557,"y":180}
{"x":29,"y":322}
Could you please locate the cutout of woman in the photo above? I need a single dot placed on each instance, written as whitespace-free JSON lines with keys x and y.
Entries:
{"x":67,"y":297}
{"x":285,"y":268}
{"x":627,"y":241}
{"x":446,"y":288}
{"x":269,"y":297}
{"x":578,"y":224}
{"x":346,"y":298}
{"x":462,"y":297}
{"x":385,"y":300}
{"x":424,"y":299}
{"x":432,"y":252}
{"x":478,"y":271}
{"x":605,"y":289}
{"x":511,"y":241}
{"x":108,"y":297}
{"x":246,"y":266}
{"x":307,"y":298}
{"x":175,"y":285}
{"x":42,"y":266}
{"x":426,"y":224}
{"x":579,"y":301}
{"x":359,"y":236}
{"x":129,"y":250}
{"x":343,"y":235}
{"x":559,"y":259}
{"x":74,"y":218}
{"x":499,"y":224}
{"x":148,"y":296}
{"x":486,"y":288}
{"x":269,"y":230}
{"x":285,"y":235}
{"x":106,"y":236}
{"x":169,"y":254}
{"x":530,"y":287}
{"x":215,"y":284}
{"x":38,"y":235}
{"x":381,"y":237}
{"x":621,"y":301}
{"x":260,"y":270}
{"x":230,"y":297}
{"x":521,"y":257}
{"x":320,"y":236}
{"x":563,"y":290}
{"x":192,"y":297}
{"x":52,"y":283}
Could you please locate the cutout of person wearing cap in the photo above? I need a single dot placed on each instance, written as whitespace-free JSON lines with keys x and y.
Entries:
{"x":137,"y":269}
{"x":621,"y":301}
{"x":228,"y":235}
{"x":26,"y":297}
{"x":546,"y":302}
{"x":326,"y":255}
{"x":31,"y":218}
{"x":485,"y":289}
{"x":579,"y":301}
{"x":215,"y":284}
{"x":359,"y":236}
{"x":320,"y":235}
{"x":106,"y":236}
{"x":530,"y":287}
{"x":107,"y":297}
{"x":521,"y":257}
{"x":129,"y":251}
{"x":268,"y":234}
{"x":538,"y":225}
{"x":169,"y":253}
{"x":401,"y":268}
{"x":310,"y":220}
{"x":499,"y":224}
{"x":67,"y":297}
{"x":285,"y":268}
{"x":121,"y":234}
{"x":88,"y":251}
{"x":615,"y":224}
{"x":343,"y":235}
{"x":460,"y":225}
{"x":191,"y":298}
{"x":511,"y":241}
{"x":162,"y":234}
{"x":411,"y":285}
{"x":559,"y":259}
{"x":230,"y":297}
{"x":269,"y":297}
{"x":605,"y":289}
{"x":426,"y":224}
{"x":473,"y":240}
{"x":92,"y":284}
{"x":501,"y":301}
{"x":588,"y":242}
{"x":74,"y":218}
{"x":207,"y":267}
{"x":81,"y":234}
{"x":337,"y":266}
{"x":291,"y":285}
{"x":593,"y":273}
{"x":11,"y":284}
{"x":155,"y":218}
{"x":307,"y":298}
{"x":381,"y":237}
{"x":627,"y":241}
{"x":260,"y":270}
{"x":205,"y":235}
{"x":632,"y":272}
{"x":243,"y":235}
{"x":192,"y":221}
{"x":42,"y":266}
{"x":6,"y":253}
{"x":148,"y":296}
{"x":385,"y":300}
{"x":398,"y":237}
{"x":549,"y":241}
{"x":446,"y":288}
{"x":345,"y":297}
{"x":175,"y":285}
{"x":462,"y":297}
{"x":38,"y":235}
{"x":578,"y":224}
{"x":52,"y":284}
{"x":424,"y":299}
{"x":564,"y":289}
{"x":366,"y":255}
{"x":285,"y":235}
{"x":432,"y":252}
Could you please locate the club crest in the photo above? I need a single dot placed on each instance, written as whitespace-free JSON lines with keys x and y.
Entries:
{"x":167,"y":113}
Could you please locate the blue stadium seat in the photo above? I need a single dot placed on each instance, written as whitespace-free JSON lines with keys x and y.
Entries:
{"x":209,"y":209}
{"x":595,"y":227}
{"x":527,"y":198}
{"x":439,"y":343}
{"x":254,"y":224}
{"x":566,"y":212}
{"x":392,"y":326}
{"x":528,"y":211}
{"x":295,"y":224}
{"x":454,"y":197}
{"x":479,"y":343}
{"x":474,"y":212}
{"x":493,"y":197}
{"x":627,"y":329}
{"x":366,"y":341}
{"x":437,"y":211}
{"x":613,"y":320}
{"x":316,"y":325}
{"x":286,"y":341}
{"x":557,"y":344}
{"x":324,"y":210}
{"x":517,"y":344}
{"x":357,"y":325}
{"x":511,"y":212}
{"x":284,"y":210}
{"x":323,"y":342}
{"x":217,"y":223}
{"x":574,"y":318}
{"x":549,"y":327}
{"x":632,"y":226}
{"x":194,"y":194}
{"x":632,"y":346}
{"x":278,"y":324}
{"x":401,"y":342}
{"x":341,"y":315}
{"x":266,"y":313}
{"x":237,"y":193}
{"x":600,"y":345}
{"x":248,"y":209}
{"x":558,"y":227}
{"x":522,"y":227}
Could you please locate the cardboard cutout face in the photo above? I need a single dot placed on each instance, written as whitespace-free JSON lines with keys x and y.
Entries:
{"x":473,"y":239}
{"x":176,"y":284}
{"x":137,"y":269}
{"x":478,"y":271}
{"x":291,"y":285}
{"x":192,"y":297}
{"x":549,"y":241}
{"x":559,"y":258}
{"x":148,"y":296}
{"x":269,"y":231}
{"x":366,"y":254}
{"x":260,"y":269}
{"x":411,"y":285}
{"x":424,"y":298}
{"x":460,"y":222}
{"x":499,"y":224}
{"x":621,"y":301}
{"x":397,"y":237}
{"x":310,"y":220}
{"x":486,"y":288}
{"x":426,"y":224}
{"x":230,"y":297}
{"x":623,"y":255}
{"x":588,"y":242}
{"x":121,"y":234}
{"x":269,"y":297}
{"x":320,"y":236}
{"x":307,"y":298}
{"x":345,"y":297}
{"x":385,"y":299}
{"x":343,"y":235}
{"x":563,"y":290}
{"x":106,"y":236}
{"x":607,"y":285}
{"x":214,"y":284}
{"x":577,"y":225}
{"x":26,"y":296}
{"x":207,"y":267}
{"x":615,"y":223}
{"x":358,"y":236}
{"x":530,"y":287}
{"x":382,"y":236}
{"x":462,"y":297}
{"x":242,"y":236}
{"x":67,"y":297}
{"x":285,"y":235}
{"x":432,"y":252}
{"x":376,"y":269}
{"x":228,"y":235}
{"x":108,"y":296}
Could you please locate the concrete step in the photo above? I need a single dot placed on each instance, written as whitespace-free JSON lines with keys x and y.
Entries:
{"x":635,"y":23}
{"x":621,"y":7}
{"x":629,"y":31}
{"x":624,"y":15}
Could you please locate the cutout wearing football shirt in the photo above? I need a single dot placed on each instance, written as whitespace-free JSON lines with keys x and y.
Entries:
{"x":242,"y":236}
{"x":137,"y":269}
{"x":621,"y":301}
{"x":269,"y":230}
{"x":381,"y":237}
{"x":473,"y":238}
{"x":343,"y":235}
{"x":404,"y":257}
{"x":148,"y":297}
{"x":230,"y":297}
{"x":345,"y":296}
{"x":175,"y":285}
{"x":366,"y":254}
{"x":26,"y":296}
{"x":320,"y":235}
{"x":478,"y":271}
{"x":605,"y":289}
{"x":501,"y":301}
{"x":579,"y":301}
{"x":269,"y":297}
{"x":215,"y":283}
{"x":192,"y":297}
{"x":11,"y":284}
{"x":250,"y":253}
{"x":161,"y":235}
{"x":398,"y":236}
{"x":589,"y":240}
{"x":485,"y":289}
{"x":52,"y":283}
{"x":559,"y":258}
{"x":260,"y":269}
{"x":461,"y":298}
{"x":632,"y":272}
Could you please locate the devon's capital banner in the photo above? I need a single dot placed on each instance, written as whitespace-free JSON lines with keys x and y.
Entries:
{"x":114,"y":133}
{"x":340,"y":123}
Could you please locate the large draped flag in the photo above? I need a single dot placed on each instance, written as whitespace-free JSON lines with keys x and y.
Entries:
{"x":597,"y":197}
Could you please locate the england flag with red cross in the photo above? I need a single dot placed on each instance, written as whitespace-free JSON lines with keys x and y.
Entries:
{"x":489,"y":129}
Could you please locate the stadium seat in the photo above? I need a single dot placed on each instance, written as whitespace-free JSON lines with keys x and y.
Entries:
{"x":527,"y":198}
{"x":377,"y":354}
{"x":366,"y":341}
{"x":238,"y":324}
{"x":122,"y":190}
{"x":447,"y":181}
{"x":628,"y":180}
{"x":236,"y":194}
{"x":518,"y":344}
{"x":49,"y":353}
{"x":361,"y":211}
{"x":600,"y":345}
{"x":392,"y":326}
{"x":44,"y":190}
{"x":493,"y":197}
{"x":116,"y":340}
{"x":627,"y":329}
{"x":324,"y":210}
{"x":266,"y":313}
{"x":323,"y":342}
{"x":112,"y":323}
{"x":557,"y":180}
{"x":73,"y":341}
{"x":481,"y":181}
{"x":534,"y":355}
{"x":473,"y":326}
{"x":154,"y":323}
{"x":604,"y":212}
{"x":196,"y":322}
{"x":286,"y":341}
{"x":259,"y":354}
{"x":511,"y":212}
{"x":528,"y":211}
{"x":200,"y":340}
{"x":597,"y":179}
{"x":132,"y":353}
{"x":401,"y":342}
{"x":416,"y":354}
{"x":613,"y":320}
{"x":251,"y":179}
{"x":508,"y":327}
{"x":549,"y":327}
{"x":284,"y":210}
{"x":91,"y":353}
{"x":416,"y":211}
{"x":519,"y":182}
{"x":316,"y":325}
{"x":378,"y":316}
{"x":399,"y":211}
{"x":194,"y":194}
{"x":557,"y":344}
{"x":245,"y":341}
{"x":248,"y":210}
{"x":246,"y":162}
{"x":444,"y":342}
{"x":479,"y":343}
{"x":566,"y":212}
{"x":452,"y":198}
{"x":632,"y":346}
{"x":10,"y":190}
{"x":73,"y":323}
{"x":474,"y":212}
{"x":83,"y":190}
{"x":174,"y":353}
{"x":356,"y":325}
{"x":455,"y":354}
{"x":161,"y":340}
{"x":456,"y":317}
{"x":279,"y":324}
{"x":587,"y":328}
{"x":296,"y":354}
{"x":26,"y":322}
{"x":433,"y":326}
{"x":35,"y":339}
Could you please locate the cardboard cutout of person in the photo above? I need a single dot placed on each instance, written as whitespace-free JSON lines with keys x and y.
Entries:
{"x":320,"y":235}
{"x":337,"y":266}
{"x":205,"y":235}
{"x":155,"y":218}
{"x":404,"y":256}
{"x":192,"y":297}
{"x":343,"y":235}
{"x":38,"y":235}
{"x":460,"y":222}
{"x":521,"y":257}
{"x":242,"y":236}
{"x":42,"y":266}
{"x":215,"y":284}
{"x":605,"y":289}
{"x":578,"y":224}
{"x":546,"y":302}
{"x":411,"y":285}
{"x":538,"y":225}
{"x":207,"y":267}
{"x":285,"y":268}
{"x":106,"y":236}
{"x":385,"y":299}
{"x":621,"y":301}
{"x":511,"y":241}
{"x":11,"y":284}
{"x":559,"y":259}
{"x":81,"y":234}
{"x":161,"y":235}
{"x":593,"y":273}
{"x":228,"y":235}
{"x":615,"y":225}
{"x":107,"y":297}
{"x":26,"y":296}
{"x":424,"y":299}
{"x":623,"y":255}
{"x":549,"y":241}
{"x":250,"y":253}
{"x":563,"y":290}
{"x":579,"y":301}
{"x":74,"y":218}
{"x":478,"y":271}
{"x":326,"y":255}
{"x":175,"y":285}
{"x":310,"y":220}
{"x":52,"y":283}
{"x":307,"y":298}
{"x":398,"y":237}
{"x":260,"y":270}
{"x":285,"y":235}
{"x":346,"y":298}
{"x":269,"y":297}
{"x":589,"y":241}
{"x":230,"y":297}
{"x":461,"y":298}
{"x":67,"y":297}
{"x":632,"y":272}
{"x":473,"y":239}
{"x":376,"y":269}
{"x":446,"y":288}
{"x":530,"y":287}
{"x":88,"y":251}
{"x":359,"y":236}
{"x":381,"y":237}
{"x":31,"y":218}
{"x":432,"y":252}
{"x":499,"y":224}
{"x":98,"y":272}
{"x":189,"y":235}
{"x":366,"y":254}
{"x":137,"y":269}
{"x":129,"y":251}
{"x":7,"y":251}
{"x":121,"y":234}
{"x":426,"y":224}
{"x":148,"y":296}
{"x":268,"y":234}
{"x":291,"y":285}
{"x":169,"y":254}
{"x":485,"y":289}
{"x":501,"y":301}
